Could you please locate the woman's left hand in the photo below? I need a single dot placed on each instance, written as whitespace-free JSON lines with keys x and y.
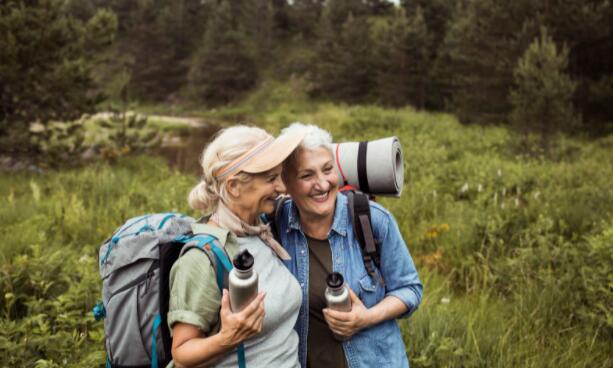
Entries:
{"x":346,"y":324}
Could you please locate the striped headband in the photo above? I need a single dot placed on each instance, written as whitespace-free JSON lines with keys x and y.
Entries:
{"x":235,"y":165}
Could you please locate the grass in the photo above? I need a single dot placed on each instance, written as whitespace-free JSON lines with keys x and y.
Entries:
{"x":515,"y":251}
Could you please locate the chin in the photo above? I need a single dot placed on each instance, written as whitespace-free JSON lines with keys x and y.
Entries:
{"x":268,"y":208}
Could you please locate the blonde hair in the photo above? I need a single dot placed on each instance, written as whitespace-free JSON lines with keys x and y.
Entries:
{"x":228,"y":145}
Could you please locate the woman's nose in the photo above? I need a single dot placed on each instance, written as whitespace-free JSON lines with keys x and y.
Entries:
{"x":280,"y":185}
{"x":322,"y":183}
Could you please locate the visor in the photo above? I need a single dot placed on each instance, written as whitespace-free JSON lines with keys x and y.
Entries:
{"x":263,"y":157}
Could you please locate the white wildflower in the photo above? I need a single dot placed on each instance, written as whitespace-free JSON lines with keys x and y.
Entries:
{"x":496,"y":198}
{"x":464,"y":188}
{"x":479,"y":188}
{"x":536,"y":194}
{"x":516,"y":202}
{"x":499,"y":172}
{"x":434,"y":193}
{"x":504,"y":191}
{"x":502,"y":205}
{"x":445,"y":300}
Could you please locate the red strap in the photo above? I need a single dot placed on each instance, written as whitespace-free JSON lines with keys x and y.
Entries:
{"x":338,"y":164}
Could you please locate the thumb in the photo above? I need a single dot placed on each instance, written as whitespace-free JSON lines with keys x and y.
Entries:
{"x":354,"y":298}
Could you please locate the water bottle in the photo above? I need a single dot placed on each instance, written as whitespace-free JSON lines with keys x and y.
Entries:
{"x":337,"y":296}
{"x":243,"y":281}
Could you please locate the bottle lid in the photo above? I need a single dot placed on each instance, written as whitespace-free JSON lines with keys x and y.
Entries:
{"x":243,"y":261}
{"x":335,"y":280}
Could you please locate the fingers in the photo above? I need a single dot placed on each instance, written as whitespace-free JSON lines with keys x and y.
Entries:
{"x":337,"y":315}
{"x":225,"y":302}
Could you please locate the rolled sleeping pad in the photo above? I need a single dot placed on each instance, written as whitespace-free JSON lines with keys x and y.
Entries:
{"x":374,"y":167}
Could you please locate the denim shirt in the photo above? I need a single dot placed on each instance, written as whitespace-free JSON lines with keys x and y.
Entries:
{"x":380,"y":345}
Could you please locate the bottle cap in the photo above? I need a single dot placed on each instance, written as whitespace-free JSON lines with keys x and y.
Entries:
{"x":243,"y":261}
{"x":335,"y":280}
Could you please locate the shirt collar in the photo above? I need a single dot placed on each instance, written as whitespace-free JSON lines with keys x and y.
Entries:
{"x":339,"y":223}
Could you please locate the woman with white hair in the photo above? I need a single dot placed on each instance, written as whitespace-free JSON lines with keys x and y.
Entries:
{"x":241,"y":180}
{"x":315,"y":227}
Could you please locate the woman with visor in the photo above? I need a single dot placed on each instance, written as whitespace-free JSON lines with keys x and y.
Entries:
{"x":241,"y":180}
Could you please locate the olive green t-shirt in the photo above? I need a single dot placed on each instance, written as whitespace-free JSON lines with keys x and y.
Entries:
{"x":195,"y":297}
{"x":323,"y":350}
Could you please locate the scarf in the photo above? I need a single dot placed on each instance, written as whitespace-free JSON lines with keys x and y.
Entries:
{"x":226,"y":219}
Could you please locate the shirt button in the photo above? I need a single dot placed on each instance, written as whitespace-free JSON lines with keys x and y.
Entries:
{"x":302,"y":284}
{"x":302,"y":251}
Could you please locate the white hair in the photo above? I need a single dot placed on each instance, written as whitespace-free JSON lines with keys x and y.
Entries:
{"x":314,"y":138}
{"x":228,"y":145}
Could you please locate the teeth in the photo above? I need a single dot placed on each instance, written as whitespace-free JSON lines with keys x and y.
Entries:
{"x":321,"y":196}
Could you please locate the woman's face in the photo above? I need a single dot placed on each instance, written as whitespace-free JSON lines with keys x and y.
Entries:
{"x":312,"y":182}
{"x":259,"y":194}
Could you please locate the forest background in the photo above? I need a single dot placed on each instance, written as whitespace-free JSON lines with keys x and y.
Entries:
{"x":504,"y":110}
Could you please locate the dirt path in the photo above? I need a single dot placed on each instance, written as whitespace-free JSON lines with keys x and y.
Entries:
{"x":179,"y":120}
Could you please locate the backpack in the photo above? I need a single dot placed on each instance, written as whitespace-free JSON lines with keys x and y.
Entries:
{"x":359,"y":209}
{"x":135,"y":264}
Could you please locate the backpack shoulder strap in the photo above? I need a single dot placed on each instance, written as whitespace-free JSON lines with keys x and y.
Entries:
{"x":359,"y":210}
{"x":217,"y":255}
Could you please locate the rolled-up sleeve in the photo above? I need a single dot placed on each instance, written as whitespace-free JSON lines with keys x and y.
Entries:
{"x":397,"y":266}
{"x":194,"y":295}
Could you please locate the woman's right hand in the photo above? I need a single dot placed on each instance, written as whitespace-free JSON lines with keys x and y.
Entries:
{"x":238,"y":327}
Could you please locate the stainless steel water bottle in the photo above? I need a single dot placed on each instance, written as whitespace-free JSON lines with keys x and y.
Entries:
{"x":337,"y":296}
{"x":243,"y":281}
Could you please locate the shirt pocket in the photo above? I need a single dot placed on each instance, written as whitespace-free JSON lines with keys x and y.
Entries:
{"x":371,"y":292}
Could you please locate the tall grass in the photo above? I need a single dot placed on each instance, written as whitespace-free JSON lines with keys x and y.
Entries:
{"x":515,"y":252}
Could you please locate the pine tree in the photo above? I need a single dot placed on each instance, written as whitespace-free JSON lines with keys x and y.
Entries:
{"x":403,"y":60}
{"x":344,"y":69}
{"x":542,"y":98}
{"x":223,"y":67}
{"x":482,"y":46}
{"x":45,"y":64}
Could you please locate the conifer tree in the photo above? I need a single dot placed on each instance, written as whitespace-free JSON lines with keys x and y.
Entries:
{"x":223,"y":67}
{"x":45,"y":64}
{"x":482,"y":46}
{"x":344,"y":68}
{"x":542,"y":97}
{"x":403,"y":60}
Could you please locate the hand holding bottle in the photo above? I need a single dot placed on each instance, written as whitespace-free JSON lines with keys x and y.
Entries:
{"x":238,"y":327}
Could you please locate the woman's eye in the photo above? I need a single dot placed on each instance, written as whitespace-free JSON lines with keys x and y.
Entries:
{"x":272,"y":178}
{"x":304,"y":177}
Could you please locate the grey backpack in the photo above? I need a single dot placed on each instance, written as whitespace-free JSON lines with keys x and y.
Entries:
{"x":135,"y":266}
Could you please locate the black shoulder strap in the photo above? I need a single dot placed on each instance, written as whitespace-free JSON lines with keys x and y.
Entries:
{"x":359,"y":210}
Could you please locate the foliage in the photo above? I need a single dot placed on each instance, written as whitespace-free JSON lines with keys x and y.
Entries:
{"x":542,"y":99}
{"x":403,"y":58}
{"x":45,"y":65}
{"x":58,"y":142}
{"x":51,"y":226}
{"x":126,"y":133}
{"x":222,"y":69}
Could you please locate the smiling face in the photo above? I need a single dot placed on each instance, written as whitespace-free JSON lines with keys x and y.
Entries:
{"x":257,"y":195}
{"x":312,"y":182}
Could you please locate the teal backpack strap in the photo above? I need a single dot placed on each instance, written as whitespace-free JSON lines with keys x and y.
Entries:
{"x":222,"y":265}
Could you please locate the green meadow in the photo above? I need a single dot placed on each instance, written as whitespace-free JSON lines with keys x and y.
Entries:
{"x":515,"y":251}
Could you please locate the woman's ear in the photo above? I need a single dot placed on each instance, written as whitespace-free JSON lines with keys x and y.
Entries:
{"x":233,"y":186}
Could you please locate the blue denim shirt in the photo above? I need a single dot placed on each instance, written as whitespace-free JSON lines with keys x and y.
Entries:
{"x":380,"y":345}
